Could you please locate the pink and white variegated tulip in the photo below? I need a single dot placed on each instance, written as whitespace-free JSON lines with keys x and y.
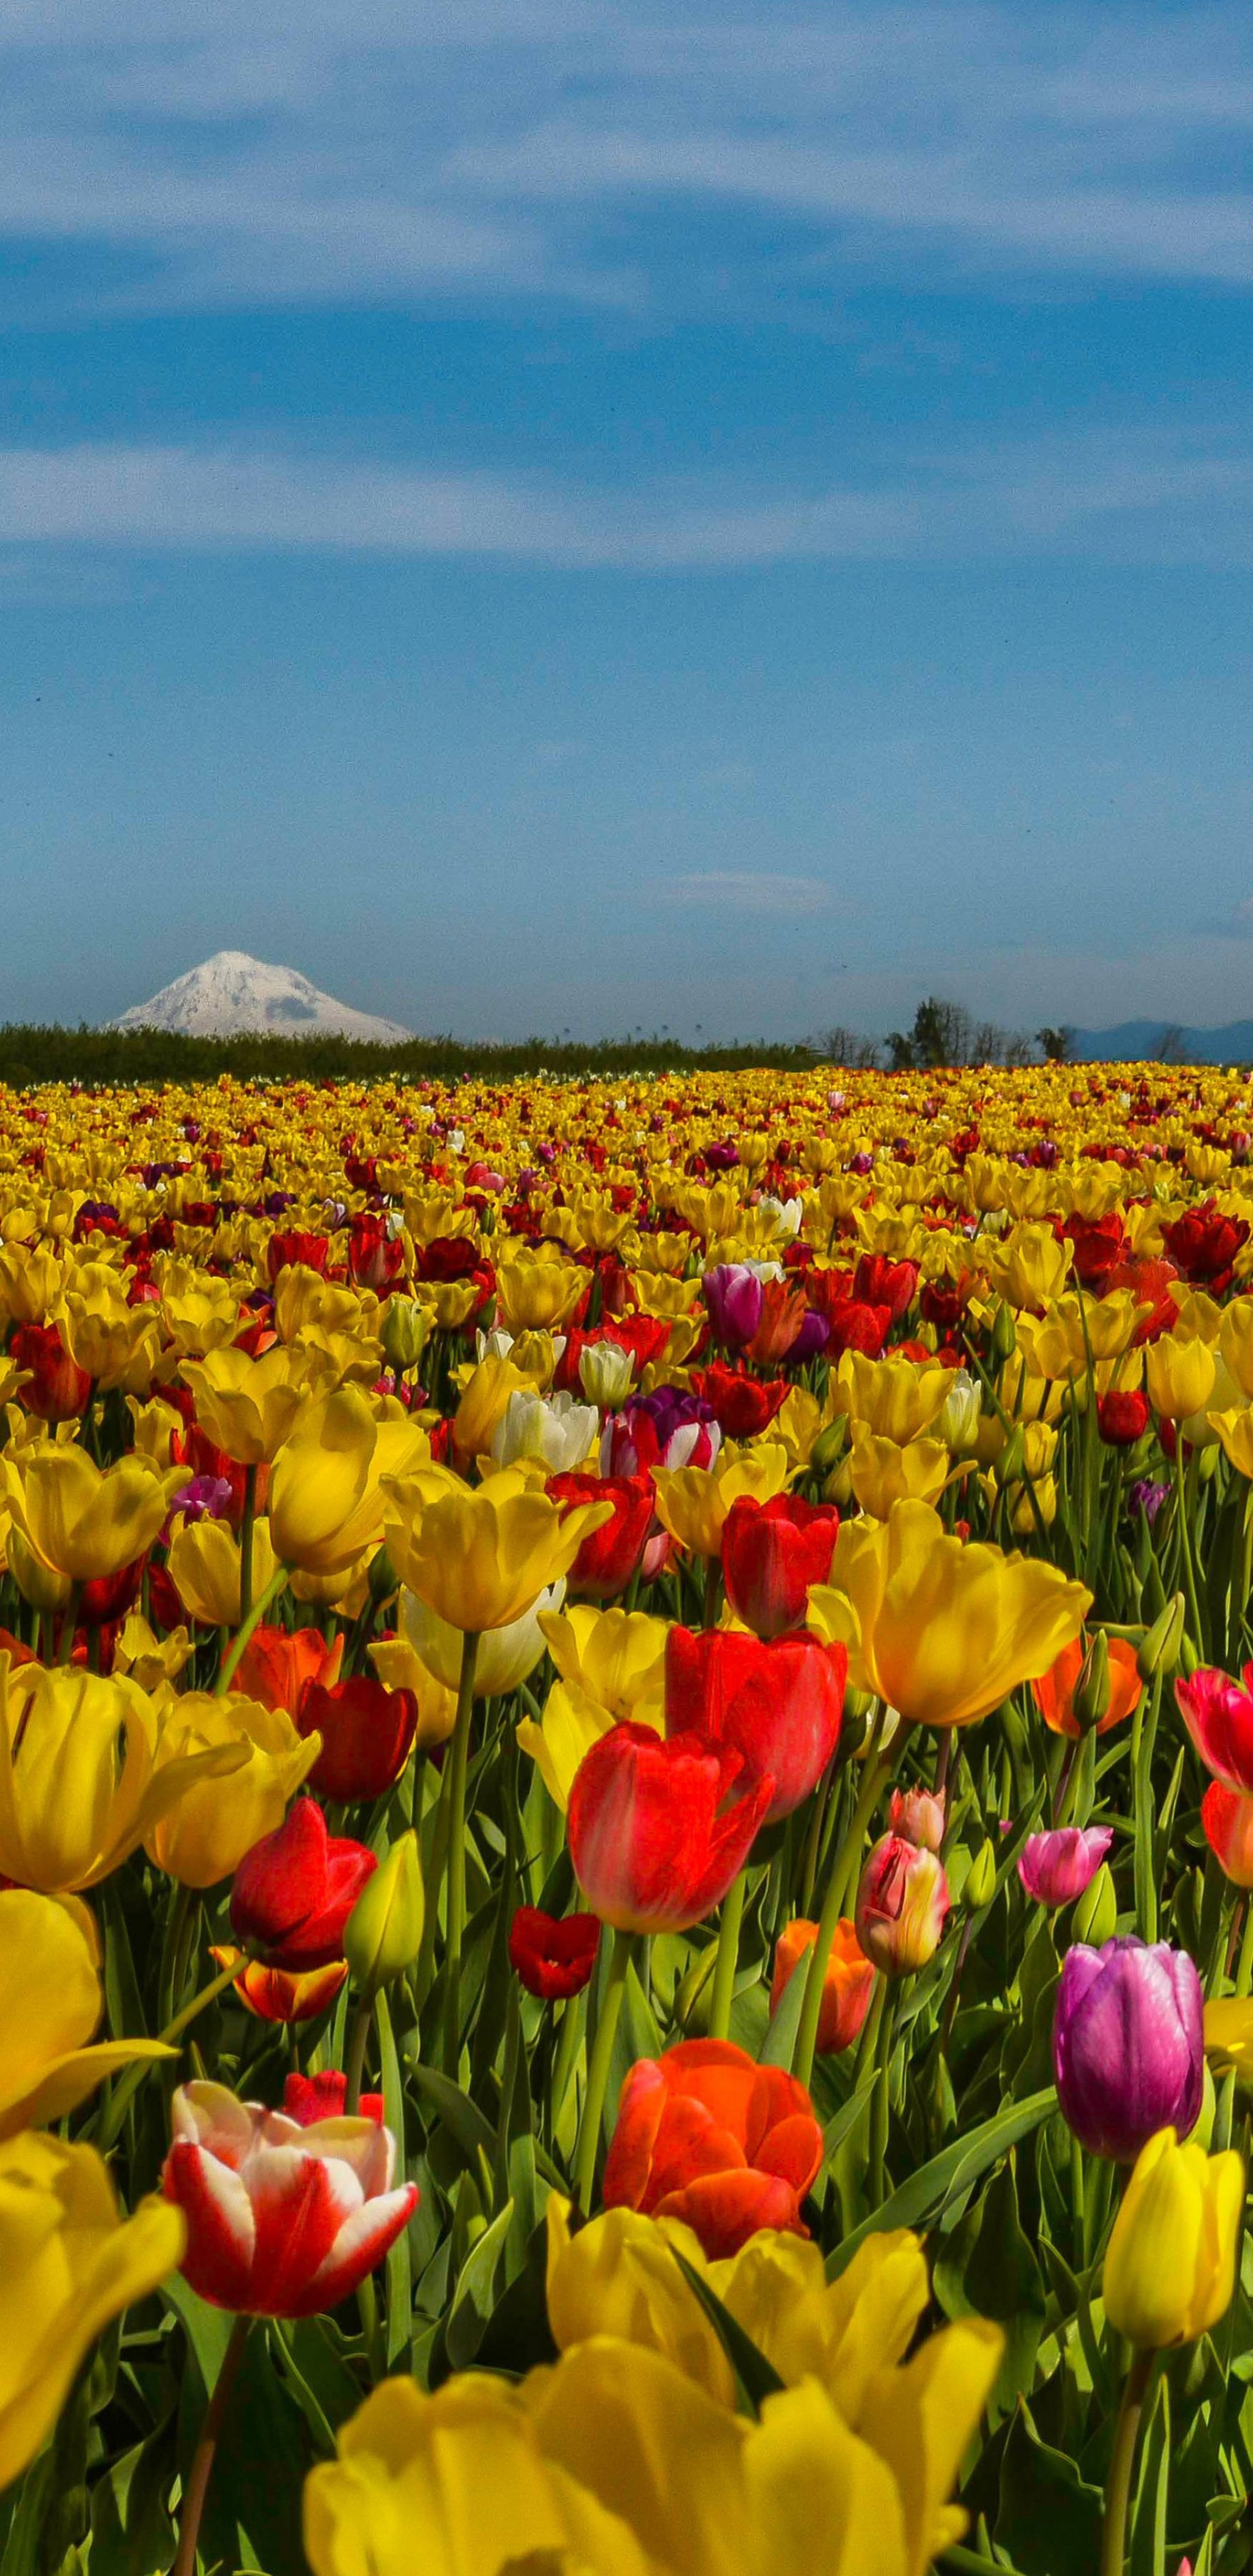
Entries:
{"x":282,"y":2220}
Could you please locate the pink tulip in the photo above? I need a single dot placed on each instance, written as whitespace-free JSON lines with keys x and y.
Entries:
{"x":1056,"y":1867}
{"x":282,"y":2220}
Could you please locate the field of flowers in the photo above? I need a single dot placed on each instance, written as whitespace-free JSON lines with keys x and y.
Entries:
{"x":626,"y":1816}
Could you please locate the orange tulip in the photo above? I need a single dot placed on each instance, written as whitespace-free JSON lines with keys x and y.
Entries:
{"x":1055,"y":1691}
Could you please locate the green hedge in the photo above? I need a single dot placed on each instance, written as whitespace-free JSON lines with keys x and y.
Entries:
{"x":30,"y":1055}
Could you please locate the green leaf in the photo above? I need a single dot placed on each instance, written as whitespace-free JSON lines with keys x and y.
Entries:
{"x":779,"y":2044}
{"x":460,"y":2117}
{"x":1049,"y":2517}
{"x":939,"y":2185}
{"x":757,"y":2377}
{"x":1148,"y":2530}
{"x":472,"y":2305}
{"x":131,"y":2526}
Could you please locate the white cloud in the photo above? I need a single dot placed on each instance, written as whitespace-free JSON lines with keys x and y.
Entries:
{"x":1129,"y":495}
{"x":744,"y":890}
{"x":266,"y":150}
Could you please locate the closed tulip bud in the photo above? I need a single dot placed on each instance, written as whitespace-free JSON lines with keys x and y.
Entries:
{"x":1170,"y":2268}
{"x":383,"y":1934}
{"x":1091,"y":1701}
{"x":825,"y":1455}
{"x":980,"y":1887}
{"x":403,"y":1332}
{"x":902,"y":1903}
{"x":1008,"y":1467}
{"x":606,"y":1374}
{"x":1004,"y":1335}
{"x":918,"y":1814}
{"x":960,"y":1414}
{"x":1096,"y":1914}
{"x":1162,"y":1645}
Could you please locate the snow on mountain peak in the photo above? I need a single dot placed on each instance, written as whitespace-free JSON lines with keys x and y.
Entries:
{"x":233,"y":995}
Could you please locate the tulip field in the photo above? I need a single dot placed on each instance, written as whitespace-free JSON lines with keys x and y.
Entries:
{"x":626,"y":1825}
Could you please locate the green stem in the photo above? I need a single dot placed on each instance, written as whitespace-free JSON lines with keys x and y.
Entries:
{"x":206,"y":2449}
{"x":234,"y":1652}
{"x":245,"y":1542}
{"x":567,"y":2044}
{"x":1118,"y":2483}
{"x":847,"y":1862}
{"x":598,"y":2071}
{"x":354,"y":2063}
{"x":69,"y":1623}
{"x":1244,"y":1967}
{"x":1185,"y":1541}
{"x":728,"y":1957}
{"x":455,"y":1912}
{"x":879,"y":2099}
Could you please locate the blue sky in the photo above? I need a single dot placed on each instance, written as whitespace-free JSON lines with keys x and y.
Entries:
{"x":550,"y":516}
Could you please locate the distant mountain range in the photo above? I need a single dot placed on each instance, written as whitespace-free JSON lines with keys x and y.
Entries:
{"x":232,"y":995}
{"x":1143,"y":1042}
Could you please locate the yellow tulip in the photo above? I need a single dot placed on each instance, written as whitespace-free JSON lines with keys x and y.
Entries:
{"x":82,"y":1520}
{"x":612,"y":2462}
{"x":399,"y":1668}
{"x":325,"y":1503}
{"x":199,"y":1312}
{"x":617,"y":1656}
{"x":1029,"y":1268}
{"x":484,"y":1403}
{"x":201,"y":1834}
{"x":693,"y":1502}
{"x":883,"y":1474}
{"x":69,"y":2262}
{"x":1229,"y":2034}
{"x":535,"y":1292}
{"x":506,"y":1656}
{"x":115,"y":1343}
{"x":618,"y":2276}
{"x":305,"y":1302}
{"x":1179,"y":1372}
{"x":50,"y":2005}
{"x":657,"y":1294}
{"x":938,"y":1629}
{"x":148,"y":1659}
{"x":570,"y":1724}
{"x":895,"y":1399}
{"x":383,"y":1934}
{"x":248,"y":1407}
{"x":205,"y":1565}
{"x":1235,"y":1342}
{"x":1235,"y":1431}
{"x":31,"y":1282}
{"x":1170,"y":2266}
{"x":480,"y":1557}
{"x":87,"y":1769}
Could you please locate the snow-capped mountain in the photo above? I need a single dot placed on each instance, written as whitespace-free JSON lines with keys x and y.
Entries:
{"x":235,"y":996}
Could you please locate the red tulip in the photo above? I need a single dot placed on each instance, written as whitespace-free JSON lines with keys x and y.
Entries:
{"x":846,"y":1988}
{"x":776,"y":1704}
{"x":706,"y":2136}
{"x":283,"y":2219}
{"x":880,"y":1281}
{"x":1122,"y":1416}
{"x":743,"y":1407}
{"x":771,"y":1553}
{"x":855,"y":1327}
{"x":292,"y":1894}
{"x":277,"y":1664}
{"x":1227,"y":1818}
{"x":366,"y":1732}
{"x":57,"y":1389}
{"x":551,"y":1955}
{"x":1218,"y":1714}
{"x":285,"y":1250}
{"x":308,"y":2098}
{"x":654,"y":1843}
{"x":608,"y":1559}
{"x":1204,"y":1244}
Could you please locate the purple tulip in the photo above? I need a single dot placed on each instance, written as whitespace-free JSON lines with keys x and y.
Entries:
{"x":1055,"y":1868}
{"x":814,"y":1335}
{"x":734,"y":1296}
{"x":1128,"y":2045}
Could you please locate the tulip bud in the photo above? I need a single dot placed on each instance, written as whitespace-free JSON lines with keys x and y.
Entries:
{"x":1004,"y":1335}
{"x":1160,"y":1648}
{"x":1091,"y":1700}
{"x":383,"y":1934}
{"x":918,"y":1814}
{"x":403,"y":1332}
{"x":902,"y":1903}
{"x":606,"y":1374}
{"x":1009,"y":1465}
{"x":1170,"y":2267}
{"x":958,"y":1425}
{"x":980,"y":1887}
{"x":825,"y":1454}
{"x":1096,"y":1914}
